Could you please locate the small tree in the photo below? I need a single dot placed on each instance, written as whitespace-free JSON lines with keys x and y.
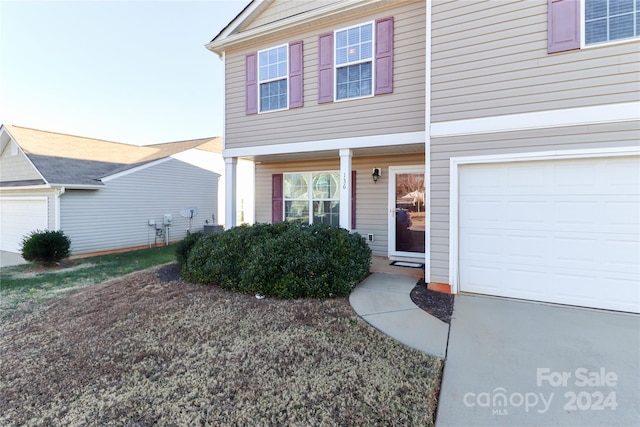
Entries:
{"x":45,"y":247}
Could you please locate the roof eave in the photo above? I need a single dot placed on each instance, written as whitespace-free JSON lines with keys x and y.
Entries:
{"x":80,"y":186}
{"x":227,"y":38}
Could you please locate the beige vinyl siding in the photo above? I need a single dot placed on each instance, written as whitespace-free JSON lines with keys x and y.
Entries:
{"x":490,"y":58}
{"x":371,"y":198}
{"x":281,"y":9}
{"x":16,"y":168}
{"x":550,"y":139}
{"x":116,"y":216}
{"x":399,"y":112}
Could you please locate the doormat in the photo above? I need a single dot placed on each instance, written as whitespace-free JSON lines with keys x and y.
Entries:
{"x":407,"y":264}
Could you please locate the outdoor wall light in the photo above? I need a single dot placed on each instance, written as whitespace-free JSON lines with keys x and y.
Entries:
{"x":377,"y":173}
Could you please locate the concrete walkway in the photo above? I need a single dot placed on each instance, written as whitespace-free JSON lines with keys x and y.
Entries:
{"x":516,"y":363}
{"x":383,"y":301}
{"x":7,"y":259}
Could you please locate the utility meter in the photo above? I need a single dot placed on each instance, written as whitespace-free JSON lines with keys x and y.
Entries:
{"x":167,"y":219}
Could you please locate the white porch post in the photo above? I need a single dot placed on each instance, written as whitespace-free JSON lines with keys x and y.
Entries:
{"x":345,"y":188}
{"x":230,"y":170}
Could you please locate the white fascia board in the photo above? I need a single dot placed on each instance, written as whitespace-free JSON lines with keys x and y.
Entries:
{"x":220,"y":45}
{"x":235,"y":23}
{"x":26,"y":187}
{"x":387,"y":140}
{"x":628,"y":111}
{"x":78,"y":187}
{"x":134,"y":169}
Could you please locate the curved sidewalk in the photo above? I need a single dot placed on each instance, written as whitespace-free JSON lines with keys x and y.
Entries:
{"x":383,"y":300}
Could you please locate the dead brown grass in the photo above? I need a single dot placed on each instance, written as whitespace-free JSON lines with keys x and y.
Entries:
{"x":150,"y":349}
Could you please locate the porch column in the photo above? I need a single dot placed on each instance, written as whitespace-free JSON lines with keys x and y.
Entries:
{"x":230,"y":171}
{"x":345,"y":188}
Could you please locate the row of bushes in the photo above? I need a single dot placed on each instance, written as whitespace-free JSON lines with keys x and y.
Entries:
{"x":285,"y":260}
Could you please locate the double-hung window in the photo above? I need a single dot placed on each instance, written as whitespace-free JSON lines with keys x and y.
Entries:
{"x":607,"y":20}
{"x":312,"y":197}
{"x":354,"y":61}
{"x":273,"y":78}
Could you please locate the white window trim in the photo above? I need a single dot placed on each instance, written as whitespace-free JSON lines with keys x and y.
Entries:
{"x":583,"y":36}
{"x":286,"y":78}
{"x":373,"y":62}
{"x":310,"y":199}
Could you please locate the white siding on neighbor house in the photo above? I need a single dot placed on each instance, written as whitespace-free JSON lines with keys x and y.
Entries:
{"x":116,"y":216}
{"x":16,"y":167}
{"x":372,"y":212}
{"x":399,"y":112}
{"x":214,"y":162}
{"x":549,"y":139}
{"x":490,"y":58}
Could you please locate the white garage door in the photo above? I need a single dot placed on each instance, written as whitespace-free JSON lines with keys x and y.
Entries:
{"x":20,"y":217}
{"x":562,"y":231}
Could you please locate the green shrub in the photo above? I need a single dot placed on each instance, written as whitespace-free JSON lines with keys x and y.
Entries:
{"x":184,"y":246}
{"x":45,"y":247}
{"x":286,"y":260}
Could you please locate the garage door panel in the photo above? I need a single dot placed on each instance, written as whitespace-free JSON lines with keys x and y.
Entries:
{"x":527,"y":213}
{"x":565,"y":231}
{"x":19,"y":217}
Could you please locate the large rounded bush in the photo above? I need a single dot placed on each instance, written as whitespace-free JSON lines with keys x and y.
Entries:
{"x":184,"y":246}
{"x":45,"y":247}
{"x":286,"y":260}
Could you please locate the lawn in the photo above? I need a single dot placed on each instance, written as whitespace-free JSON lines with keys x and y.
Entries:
{"x":147,"y":348}
{"x":23,"y":285}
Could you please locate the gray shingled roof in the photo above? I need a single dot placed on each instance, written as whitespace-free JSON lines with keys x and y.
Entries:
{"x":78,"y":161}
{"x":61,"y":170}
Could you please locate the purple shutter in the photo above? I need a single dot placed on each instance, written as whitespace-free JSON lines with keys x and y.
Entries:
{"x":251,"y":84}
{"x":276,"y":197}
{"x":563,"y":25}
{"x":296,"y":88}
{"x":325,"y":69}
{"x":384,"y":56}
{"x":353,"y":200}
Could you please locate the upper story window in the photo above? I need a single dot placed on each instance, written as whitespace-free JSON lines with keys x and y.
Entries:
{"x":273,"y":78}
{"x":607,"y":20}
{"x":354,"y":61}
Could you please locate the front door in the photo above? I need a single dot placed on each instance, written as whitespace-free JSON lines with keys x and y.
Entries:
{"x":407,"y":216}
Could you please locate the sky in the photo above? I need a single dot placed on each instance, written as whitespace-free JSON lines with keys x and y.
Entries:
{"x":124,"y":71}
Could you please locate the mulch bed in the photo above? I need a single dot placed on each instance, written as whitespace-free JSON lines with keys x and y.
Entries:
{"x":437,"y":304}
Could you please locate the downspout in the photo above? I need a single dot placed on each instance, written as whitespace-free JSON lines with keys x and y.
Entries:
{"x":427,"y":148}
{"x":58,"y":192}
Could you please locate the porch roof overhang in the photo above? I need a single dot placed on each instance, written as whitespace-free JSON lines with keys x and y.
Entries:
{"x":378,"y":145}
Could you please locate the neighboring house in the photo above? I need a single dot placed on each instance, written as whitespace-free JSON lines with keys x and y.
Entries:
{"x":518,"y":120}
{"x":104,"y":194}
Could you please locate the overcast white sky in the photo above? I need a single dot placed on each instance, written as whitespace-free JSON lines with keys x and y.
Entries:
{"x":134,"y":72}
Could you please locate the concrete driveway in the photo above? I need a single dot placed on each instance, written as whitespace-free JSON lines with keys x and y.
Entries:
{"x":8,"y":259}
{"x":512,"y":363}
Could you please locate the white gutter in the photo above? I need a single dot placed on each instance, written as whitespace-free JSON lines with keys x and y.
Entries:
{"x":59,"y":192}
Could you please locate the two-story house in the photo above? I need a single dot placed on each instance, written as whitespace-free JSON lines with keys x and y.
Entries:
{"x":495,"y":142}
